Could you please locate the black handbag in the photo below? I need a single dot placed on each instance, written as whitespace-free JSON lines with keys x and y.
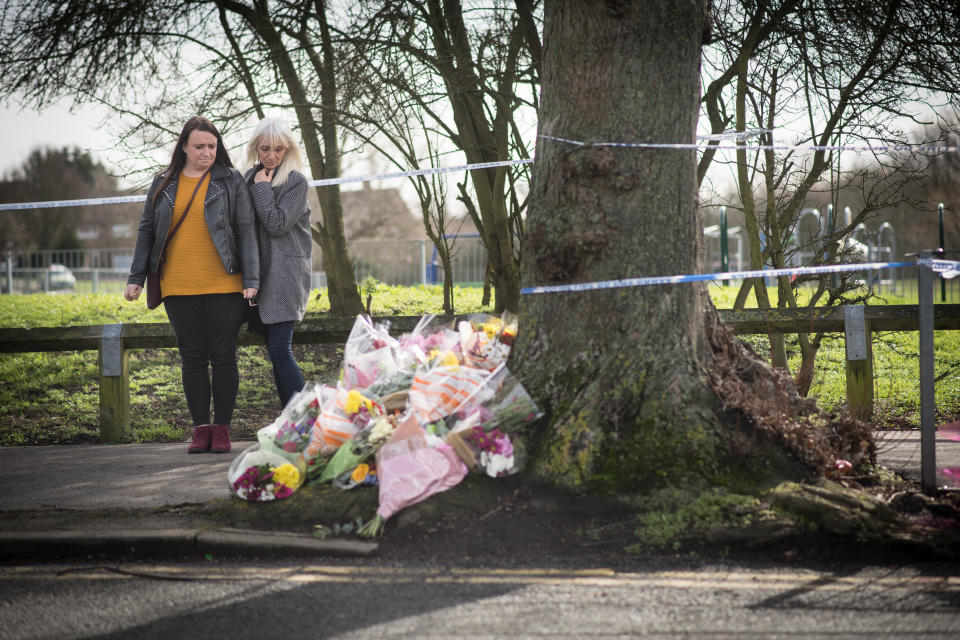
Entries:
{"x":154,"y":296}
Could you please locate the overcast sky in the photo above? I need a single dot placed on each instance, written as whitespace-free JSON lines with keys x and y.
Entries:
{"x":57,"y":127}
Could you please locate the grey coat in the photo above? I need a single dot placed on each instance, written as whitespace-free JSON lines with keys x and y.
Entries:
{"x":283,"y":229}
{"x":228,"y":212}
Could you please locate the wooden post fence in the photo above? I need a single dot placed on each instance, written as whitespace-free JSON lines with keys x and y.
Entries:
{"x":113,"y":342}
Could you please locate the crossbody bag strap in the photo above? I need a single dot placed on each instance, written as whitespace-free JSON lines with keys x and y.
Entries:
{"x":170,"y":235}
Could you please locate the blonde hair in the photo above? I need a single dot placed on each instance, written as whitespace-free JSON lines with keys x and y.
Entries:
{"x":274,"y":131}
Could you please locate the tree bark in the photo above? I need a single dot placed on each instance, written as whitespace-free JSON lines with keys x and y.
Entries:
{"x":341,"y":283}
{"x":642,"y":386}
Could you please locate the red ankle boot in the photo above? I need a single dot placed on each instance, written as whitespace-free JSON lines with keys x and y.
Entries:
{"x":220,"y":438}
{"x":201,"y":439}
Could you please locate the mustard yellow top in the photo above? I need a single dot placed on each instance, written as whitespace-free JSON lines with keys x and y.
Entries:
{"x":193,"y":266}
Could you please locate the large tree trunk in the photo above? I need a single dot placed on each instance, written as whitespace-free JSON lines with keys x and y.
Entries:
{"x":642,"y":386}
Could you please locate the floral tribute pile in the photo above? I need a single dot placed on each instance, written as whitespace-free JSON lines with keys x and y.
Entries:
{"x":411,"y":415}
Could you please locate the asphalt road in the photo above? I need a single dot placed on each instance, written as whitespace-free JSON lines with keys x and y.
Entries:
{"x":338,"y":601}
{"x":221,"y":595}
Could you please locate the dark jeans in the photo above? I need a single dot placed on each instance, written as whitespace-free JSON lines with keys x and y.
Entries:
{"x":206,"y":327}
{"x":286,"y":372}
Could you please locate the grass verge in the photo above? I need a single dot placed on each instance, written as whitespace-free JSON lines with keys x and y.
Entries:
{"x":52,"y":398}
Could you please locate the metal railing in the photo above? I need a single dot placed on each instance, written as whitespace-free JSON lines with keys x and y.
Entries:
{"x":394,"y":262}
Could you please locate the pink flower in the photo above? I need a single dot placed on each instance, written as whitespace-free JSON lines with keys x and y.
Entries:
{"x":504,"y":446}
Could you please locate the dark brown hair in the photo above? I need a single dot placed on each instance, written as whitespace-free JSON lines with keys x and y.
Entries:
{"x":179,"y":158}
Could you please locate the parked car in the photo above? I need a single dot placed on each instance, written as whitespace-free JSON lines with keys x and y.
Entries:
{"x":61,"y":278}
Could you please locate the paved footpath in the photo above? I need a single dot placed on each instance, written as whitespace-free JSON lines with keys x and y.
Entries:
{"x":78,"y":500}
{"x":111,"y":476}
{"x":46,"y":488}
{"x":900,"y":451}
{"x":156,"y":475}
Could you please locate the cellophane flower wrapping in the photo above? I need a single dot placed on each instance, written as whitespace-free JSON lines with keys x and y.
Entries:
{"x":485,"y":340}
{"x":478,"y":431}
{"x":261,"y":475}
{"x":347,"y":411}
{"x":410,"y":470}
{"x":290,"y":432}
{"x":368,"y":355}
{"x":344,"y":460}
{"x":411,"y":352}
{"x":361,"y":447}
{"x":505,"y":404}
{"x":443,"y":386}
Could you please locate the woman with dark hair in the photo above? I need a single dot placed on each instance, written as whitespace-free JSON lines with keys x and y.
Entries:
{"x":197,"y":232}
{"x":278,"y":189}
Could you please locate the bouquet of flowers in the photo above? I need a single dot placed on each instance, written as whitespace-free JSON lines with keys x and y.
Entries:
{"x":444,"y":385}
{"x":363,"y":474}
{"x":496,"y":450}
{"x":348,"y":411}
{"x":290,"y":432}
{"x":368,"y":355}
{"x":362,"y":446}
{"x":415,"y":350}
{"x":485,"y":340}
{"x":410,"y":470}
{"x":259,"y":475}
{"x":507,"y":405}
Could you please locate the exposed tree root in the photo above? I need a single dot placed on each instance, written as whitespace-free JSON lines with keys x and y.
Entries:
{"x":764,"y":403}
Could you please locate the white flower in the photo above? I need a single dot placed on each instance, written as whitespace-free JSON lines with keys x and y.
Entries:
{"x":381,"y":429}
{"x":495,"y":464}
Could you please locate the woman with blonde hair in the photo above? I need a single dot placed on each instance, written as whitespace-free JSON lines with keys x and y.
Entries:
{"x":278,"y":189}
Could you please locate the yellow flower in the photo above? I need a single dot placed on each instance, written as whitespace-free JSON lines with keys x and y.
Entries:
{"x":360,"y":473}
{"x":354,"y":400}
{"x":492,"y":327}
{"x":287,"y":474}
{"x":450,"y":360}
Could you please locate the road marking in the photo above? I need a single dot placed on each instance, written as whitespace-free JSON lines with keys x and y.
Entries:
{"x":310,"y":574}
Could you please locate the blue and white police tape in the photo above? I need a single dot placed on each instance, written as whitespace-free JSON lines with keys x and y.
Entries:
{"x":718,"y":137}
{"x":733,"y":275}
{"x":50,"y":204}
{"x":946,"y":268}
{"x":419,"y":172}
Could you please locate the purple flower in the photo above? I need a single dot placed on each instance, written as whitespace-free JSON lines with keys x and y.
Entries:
{"x":494,"y":441}
{"x":504,"y":446}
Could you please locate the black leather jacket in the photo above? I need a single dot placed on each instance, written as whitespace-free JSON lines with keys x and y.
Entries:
{"x":229,"y":215}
